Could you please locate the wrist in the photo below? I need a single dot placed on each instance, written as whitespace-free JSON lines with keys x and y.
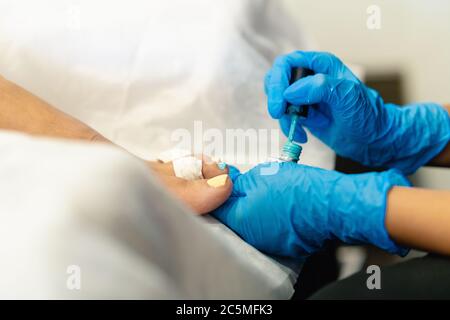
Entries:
{"x":413,"y":135}
{"x":358,"y":209}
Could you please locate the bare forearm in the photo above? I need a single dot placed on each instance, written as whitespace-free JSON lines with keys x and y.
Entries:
{"x":22,"y":111}
{"x":419,"y":218}
{"x":443,"y":159}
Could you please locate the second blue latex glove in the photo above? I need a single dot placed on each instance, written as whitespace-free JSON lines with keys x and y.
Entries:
{"x":296,"y":210}
{"x":353,"y":119}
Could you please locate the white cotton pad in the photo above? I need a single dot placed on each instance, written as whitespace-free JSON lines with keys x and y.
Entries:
{"x":189,"y":168}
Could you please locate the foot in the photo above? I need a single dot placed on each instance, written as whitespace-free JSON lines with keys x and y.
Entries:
{"x":202,"y":195}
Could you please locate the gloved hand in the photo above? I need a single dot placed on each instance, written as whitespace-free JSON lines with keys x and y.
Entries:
{"x":351,"y":118}
{"x":293,"y":212}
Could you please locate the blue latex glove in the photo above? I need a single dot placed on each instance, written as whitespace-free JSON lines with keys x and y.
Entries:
{"x":351,"y":118}
{"x":293,"y":212}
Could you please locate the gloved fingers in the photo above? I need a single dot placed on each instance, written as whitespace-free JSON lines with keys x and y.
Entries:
{"x":277,"y":80}
{"x":299,"y":133}
{"x":233,"y":172}
{"x":319,"y":88}
{"x":320,"y":62}
{"x":226,"y":212}
{"x":229,"y":213}
{"x":317,"y":118}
